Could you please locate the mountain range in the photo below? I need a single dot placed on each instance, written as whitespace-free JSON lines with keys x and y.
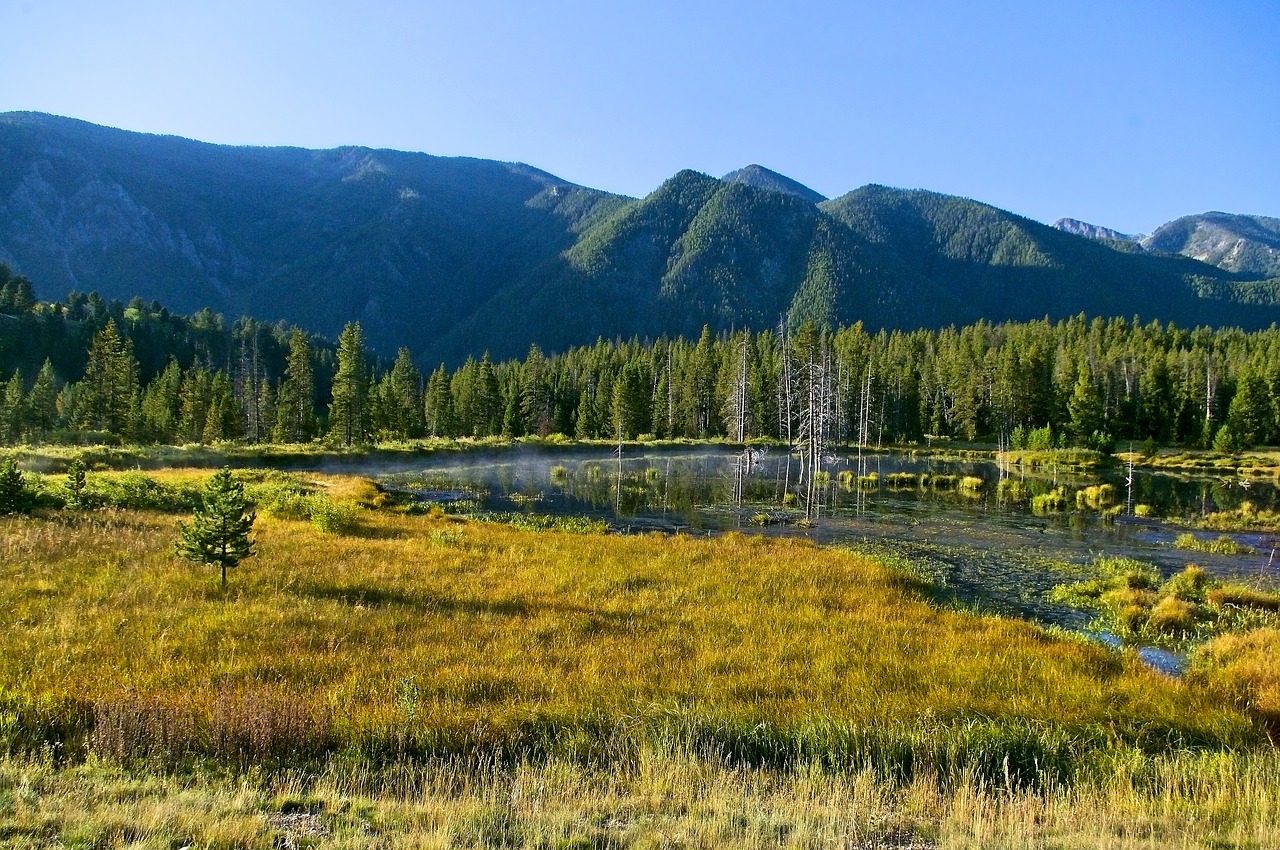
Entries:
{"x":454,"y":256}
{"x":1247,"y":244}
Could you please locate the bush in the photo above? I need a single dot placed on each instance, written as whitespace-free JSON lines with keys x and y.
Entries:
{"x":332,"y":517}
{"x":1040,"y":439}
{"x":135,"y":491}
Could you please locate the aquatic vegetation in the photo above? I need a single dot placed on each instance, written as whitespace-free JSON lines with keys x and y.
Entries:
{"x":1247,"y":517}
{"x":1095,"y":497}
{"x":1190,"y":606}
{"x":1013,"y":489}
{"x":559,"y":474}
{"x":1223,"y":545}
{"x":1244,"y":597}
{"x":1143,"y":510}
{"x":972,"y":483}
{"x":901,"y":480}
{"x":944,"y":482}
{"x":1080,"y":459}
{"x":1054,"y":501}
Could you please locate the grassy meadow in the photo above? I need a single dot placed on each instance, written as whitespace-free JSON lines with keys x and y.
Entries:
{"x":425,"y":680}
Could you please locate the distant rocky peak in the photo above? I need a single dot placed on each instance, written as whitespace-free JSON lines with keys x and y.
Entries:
{"x":1093,"y":231}
{"x":762,"y":178}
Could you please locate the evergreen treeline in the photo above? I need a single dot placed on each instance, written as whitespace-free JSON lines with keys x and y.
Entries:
{"x":85,"y":369}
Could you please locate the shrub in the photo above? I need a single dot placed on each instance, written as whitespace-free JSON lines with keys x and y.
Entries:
{"x":332,"y":517}
{"x":135,"y":491}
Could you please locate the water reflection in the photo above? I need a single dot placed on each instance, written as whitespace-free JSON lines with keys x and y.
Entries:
{"x":991,"y":535}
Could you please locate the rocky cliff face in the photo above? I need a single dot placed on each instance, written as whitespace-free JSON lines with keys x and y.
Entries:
{"x":1093,"y":231}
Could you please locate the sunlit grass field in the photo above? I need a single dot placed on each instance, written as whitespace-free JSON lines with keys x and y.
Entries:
{"x":722,"y":689}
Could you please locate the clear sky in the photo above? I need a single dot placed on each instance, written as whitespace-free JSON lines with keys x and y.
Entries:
{"x":1125,"y":114}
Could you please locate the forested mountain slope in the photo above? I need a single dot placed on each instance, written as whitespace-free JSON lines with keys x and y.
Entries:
{"x":404,"y":242}
{"x":453,"y":256}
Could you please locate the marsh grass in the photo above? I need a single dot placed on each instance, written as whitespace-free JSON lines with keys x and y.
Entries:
{"x":443,"y":682}
{"x":543,"y":644}
{"x":1222,"y":545}
{"x":1247,"y":517}
{"x":1188,"y":609}
{"x":1054,"y":501}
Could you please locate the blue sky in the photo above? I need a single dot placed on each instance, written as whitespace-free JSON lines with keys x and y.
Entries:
{"x":1123,"y":114}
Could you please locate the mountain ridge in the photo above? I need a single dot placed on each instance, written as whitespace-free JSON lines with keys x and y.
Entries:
{"x":451,"y":256}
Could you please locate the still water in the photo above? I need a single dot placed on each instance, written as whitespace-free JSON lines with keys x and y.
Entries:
{"x":969,"y":526}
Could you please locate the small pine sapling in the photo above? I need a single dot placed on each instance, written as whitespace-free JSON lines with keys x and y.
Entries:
{"x":219,"y":531}
{"x":75,"y":485}
{"x":15,"y":495}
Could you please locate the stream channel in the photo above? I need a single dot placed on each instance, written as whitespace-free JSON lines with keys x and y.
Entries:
{"x":981,"y":545}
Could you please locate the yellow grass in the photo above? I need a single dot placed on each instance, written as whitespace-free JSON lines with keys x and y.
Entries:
{"x":430,"y":682}
{"x":454,"y":635}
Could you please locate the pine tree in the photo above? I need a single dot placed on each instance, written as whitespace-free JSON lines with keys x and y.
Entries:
{"x":193,"y":405}
{"x":108,"y":397}
{"x":219,"y":532}
{"x":348,"y":411}
{"x":402,"y":403}
{"x":162,"y":404}
{"x":15,"y":495}
{"x":223,"y":420}
{"x":12,"y":409}
{"x":295,"y":401}
{"x":440,"y":415}
{"x":487,"y":408}
{"x":76,"y":483}
{"x":1251,"y":416}
{"x":1085,"y":408}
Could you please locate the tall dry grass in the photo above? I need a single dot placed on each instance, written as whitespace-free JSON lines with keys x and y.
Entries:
{"x":1182,"y":802}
